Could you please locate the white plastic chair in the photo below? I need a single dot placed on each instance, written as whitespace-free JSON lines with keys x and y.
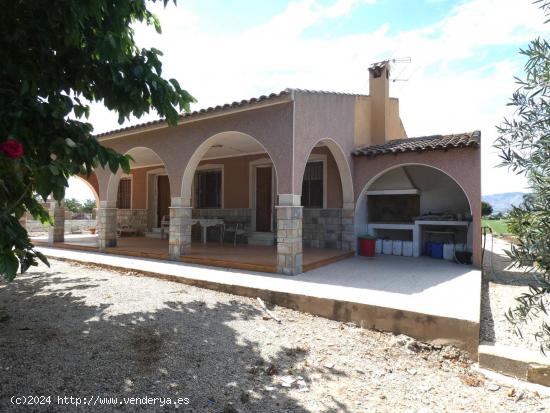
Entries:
{"x":165,"y":226}
{"x":235,"y":227}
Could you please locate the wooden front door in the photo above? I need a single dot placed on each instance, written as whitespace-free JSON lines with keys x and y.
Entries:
{"x":163,"y":197}
{"x":263,"y":199}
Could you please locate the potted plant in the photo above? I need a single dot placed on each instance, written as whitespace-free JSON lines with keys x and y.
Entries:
{"x":367,"y":245}
{"x":92,"y":230}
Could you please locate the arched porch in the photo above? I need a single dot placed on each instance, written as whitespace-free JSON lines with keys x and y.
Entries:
{"x":418,"y":204}
{"x":327,"y":198}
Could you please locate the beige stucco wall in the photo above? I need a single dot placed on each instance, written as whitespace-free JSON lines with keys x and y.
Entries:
{"x":364,"y":132}
{"x":362,"y":121}
{"x":139,"y":186}
{"x":237,"y":179}
{"x":396,"y":130}
{"x":329,"y":118}
{"x":334,"y":185}
{"x":236,"y":176}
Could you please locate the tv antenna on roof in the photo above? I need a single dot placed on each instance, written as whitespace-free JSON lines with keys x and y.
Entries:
{"x":400,"y":60}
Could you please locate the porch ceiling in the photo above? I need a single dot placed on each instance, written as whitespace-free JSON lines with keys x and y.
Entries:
{"x":234,"y":144}
{"x":144,"y":157}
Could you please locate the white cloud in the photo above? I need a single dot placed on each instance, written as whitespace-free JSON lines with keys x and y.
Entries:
{"x":443,"y":93}
{"x":79,"y":190}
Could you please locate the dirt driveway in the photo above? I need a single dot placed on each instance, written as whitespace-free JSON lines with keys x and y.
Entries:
{"x":502,"y":284}
{"x":93,"y":334}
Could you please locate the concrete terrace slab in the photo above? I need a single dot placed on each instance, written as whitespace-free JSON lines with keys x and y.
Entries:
{"x":422,"y":284}
{"x":424,"y":298}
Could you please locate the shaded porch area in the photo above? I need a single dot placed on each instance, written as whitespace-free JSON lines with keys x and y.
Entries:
{"x":241,"y":256}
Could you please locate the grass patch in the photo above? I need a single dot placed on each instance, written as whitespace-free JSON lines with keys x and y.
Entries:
{"x":498,"y":226}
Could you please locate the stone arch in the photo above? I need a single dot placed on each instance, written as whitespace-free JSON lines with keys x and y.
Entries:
{"x":92,"y":183}
{"x":344,"y":170}
{"x":200,"y":151}
{"x":379,"y":174}
{"x":464,"y":198}
{"x":114,"y":179}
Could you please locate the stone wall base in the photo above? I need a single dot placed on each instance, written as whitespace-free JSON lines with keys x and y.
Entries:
{"x":329,"y":228}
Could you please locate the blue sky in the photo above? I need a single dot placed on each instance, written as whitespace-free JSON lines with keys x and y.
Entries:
{"x":225,"y":16}
{"x":464,"y":55}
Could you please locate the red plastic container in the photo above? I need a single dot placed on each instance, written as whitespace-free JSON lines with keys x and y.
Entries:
{"x":367,"y":247}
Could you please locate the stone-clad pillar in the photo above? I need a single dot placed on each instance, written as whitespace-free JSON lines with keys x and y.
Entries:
{"x":56,"y":232}
{"x":106,"y":217}
{"x":289,"y":235}
{"x":180,"y":228}
{"x":348,"y":230}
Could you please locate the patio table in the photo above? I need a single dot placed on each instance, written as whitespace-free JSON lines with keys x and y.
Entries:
{"x":205,"y":223}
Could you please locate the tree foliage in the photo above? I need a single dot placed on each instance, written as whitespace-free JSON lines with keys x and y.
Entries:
{"x":58,"y":56}
{"x":73,"y":204}
{"x":486,"y":208}
{"x":524,"y":144}
{"x":88,"y":206}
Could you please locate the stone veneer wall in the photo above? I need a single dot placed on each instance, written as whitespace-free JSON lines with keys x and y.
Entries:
{"x":241,"y":215}
{"x":136,"y":218}
{"x":322,"y":228}
{"x":71,"y":226}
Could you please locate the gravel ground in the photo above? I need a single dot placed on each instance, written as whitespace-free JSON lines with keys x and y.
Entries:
{"x":86,"y":332}
{"x":501,"y":285}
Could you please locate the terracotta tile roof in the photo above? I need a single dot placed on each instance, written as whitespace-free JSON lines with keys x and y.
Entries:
{"x":421,"y":144}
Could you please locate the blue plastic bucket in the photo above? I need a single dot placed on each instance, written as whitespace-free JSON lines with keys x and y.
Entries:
{"x":428,"y":248}
{"x":437,"y":250}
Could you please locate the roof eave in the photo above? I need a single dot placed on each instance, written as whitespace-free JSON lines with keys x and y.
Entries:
{"x":196,"y":117}
{"x":383,"y":149}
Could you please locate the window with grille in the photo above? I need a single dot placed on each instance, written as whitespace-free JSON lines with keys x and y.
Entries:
{"x":124,"y":196}
{"x":312,"y":185}
{"x":208,"y":190}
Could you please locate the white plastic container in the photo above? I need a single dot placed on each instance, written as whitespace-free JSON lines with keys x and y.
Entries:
{"x":407,"y":248}
{"x":387,"y":247}
{"x":397,"y":248}
{"x":449,"y":252}
{"x":378,"y":246}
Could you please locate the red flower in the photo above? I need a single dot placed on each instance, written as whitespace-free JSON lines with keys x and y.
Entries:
{"x":12,"y":148}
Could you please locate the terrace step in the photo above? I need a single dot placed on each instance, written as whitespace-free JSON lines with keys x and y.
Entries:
{"x":523,"y":364}
{"x":261,"y":238}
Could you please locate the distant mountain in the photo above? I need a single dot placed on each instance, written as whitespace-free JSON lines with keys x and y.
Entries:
{"x":503,"y":202}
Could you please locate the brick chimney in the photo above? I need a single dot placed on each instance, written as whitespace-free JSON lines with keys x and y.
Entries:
{"x":379,"y":91}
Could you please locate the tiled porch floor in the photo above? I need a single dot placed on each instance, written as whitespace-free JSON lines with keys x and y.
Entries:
{"x":244,"y":257}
